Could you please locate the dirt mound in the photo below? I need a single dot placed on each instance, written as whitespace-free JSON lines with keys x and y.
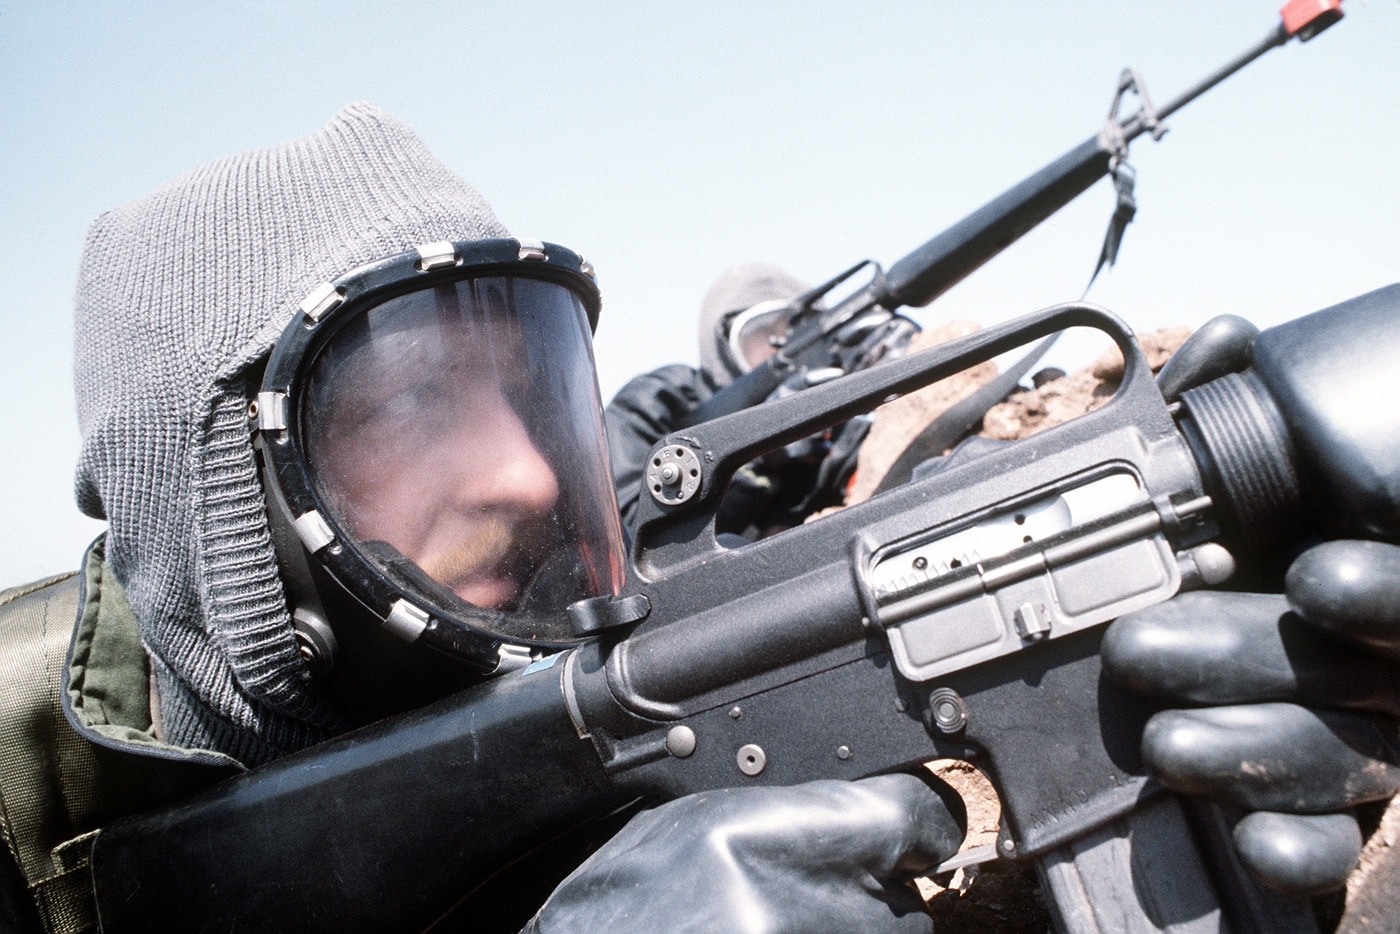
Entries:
{"x":1025,"y":412}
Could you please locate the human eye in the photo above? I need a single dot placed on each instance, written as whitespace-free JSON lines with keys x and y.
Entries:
{"x":389,"y":410}
{"x":424,"y":404}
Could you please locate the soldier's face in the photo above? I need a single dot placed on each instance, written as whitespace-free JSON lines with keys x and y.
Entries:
{"x":428,"y":454}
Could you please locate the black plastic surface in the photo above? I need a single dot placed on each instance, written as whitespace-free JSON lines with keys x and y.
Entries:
{"x":1333,"y":373}
{"x":384,"y":829}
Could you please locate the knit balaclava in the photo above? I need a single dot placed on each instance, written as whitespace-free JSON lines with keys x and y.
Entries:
{"x":180,"y":294}
{"x":741,"y":286}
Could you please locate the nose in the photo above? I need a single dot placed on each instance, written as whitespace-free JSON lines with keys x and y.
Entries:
{"x":510,"y":475}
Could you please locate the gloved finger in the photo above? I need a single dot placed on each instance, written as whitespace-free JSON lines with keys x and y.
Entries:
{"x":889,"y":826}
{"x":1301,"y":854}
{"x":1352,"y":590}
{"x":1272,"y":757}
{"x":1214,"y":647}
{"x":922,"y":815}
{"x":826,"y":855}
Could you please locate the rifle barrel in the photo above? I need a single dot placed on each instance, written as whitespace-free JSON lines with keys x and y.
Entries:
{"x":1276,"y":38}
{"x":949,"y":257}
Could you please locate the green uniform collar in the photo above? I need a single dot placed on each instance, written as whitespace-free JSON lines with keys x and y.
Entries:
{"x":107,"y":680}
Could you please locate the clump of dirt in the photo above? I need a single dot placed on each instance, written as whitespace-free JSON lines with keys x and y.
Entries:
{"x":995,"y":896}
{"x":899,"y":422}
{"x":1059,"y":400}
{"x":1024,"y":412}
{"x":1372,"y":887}
{"x":1002,"y":898}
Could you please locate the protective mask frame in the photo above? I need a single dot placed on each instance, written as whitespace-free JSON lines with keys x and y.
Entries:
{"x":297,"y":505}
{"x":734,"y":324}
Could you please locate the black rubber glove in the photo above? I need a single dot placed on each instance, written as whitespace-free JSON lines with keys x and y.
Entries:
{"x":1303,"y":693}
{"x":827,"y":856}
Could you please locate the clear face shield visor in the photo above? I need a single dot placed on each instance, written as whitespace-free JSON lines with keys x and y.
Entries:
{"x":755,"y":333}
{"x":450,"y":437}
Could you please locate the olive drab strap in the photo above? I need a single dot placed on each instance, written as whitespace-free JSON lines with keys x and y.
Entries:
{"x":47,"y":771}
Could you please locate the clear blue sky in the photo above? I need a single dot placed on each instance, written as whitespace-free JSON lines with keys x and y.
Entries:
{"x":666,"y":141}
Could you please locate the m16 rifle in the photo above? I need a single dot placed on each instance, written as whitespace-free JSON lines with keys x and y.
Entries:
{"x":863,"y":328}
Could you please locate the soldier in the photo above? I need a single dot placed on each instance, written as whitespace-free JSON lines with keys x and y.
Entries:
{"x":323,"y":512}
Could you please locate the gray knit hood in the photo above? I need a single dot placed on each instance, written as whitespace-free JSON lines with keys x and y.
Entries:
{"x":180,"y":294}
{"x":740,"y":286}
